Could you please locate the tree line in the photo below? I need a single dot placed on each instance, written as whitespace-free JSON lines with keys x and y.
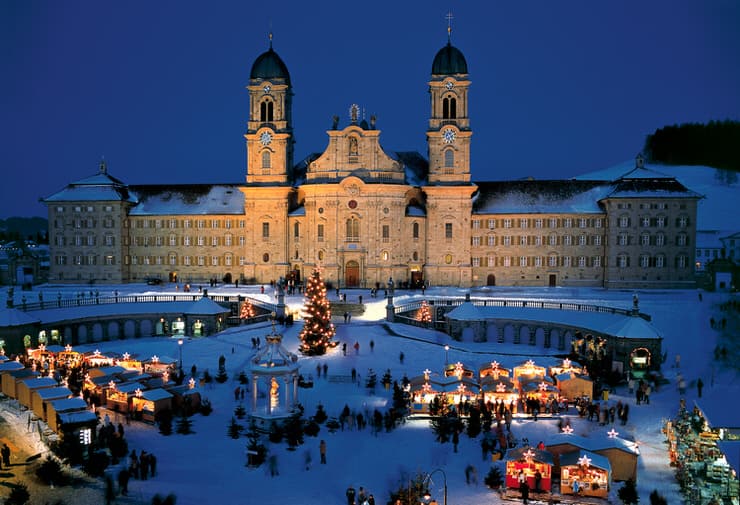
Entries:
{"x":714,"y":144}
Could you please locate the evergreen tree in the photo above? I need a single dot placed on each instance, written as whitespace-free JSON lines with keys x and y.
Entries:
{"x":247,"y":310}
{"x":256,"y":451}
{"x":240,"y":411}
{"x":410,"y":490}
{"x":184,"y":425}
{"x":320,"y":415}
{"x":170,"y":499}
{"x":19,"y":495}
{"x":222,"y":376}
{"x":494,"y":479}
{"x":235,"y":429}
{"x":424,"y":314}
{"x":164,"y":419}
{"x":276,"y":433}
{"x":628,"y":493}
{"x":318,"y":330}
{"x":294,"y":432}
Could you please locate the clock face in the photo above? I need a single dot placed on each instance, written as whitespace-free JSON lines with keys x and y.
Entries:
{"x":267,"y":88}
{"x":449,"y":85}
{"x":449,"y":135}
{"x":265,"y":138}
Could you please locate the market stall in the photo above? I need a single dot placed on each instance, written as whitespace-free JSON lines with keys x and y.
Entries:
{"x":494,"y":370}
{"x":40,"y":398}
{"x":148,"y":404}
{"x":584,"y":473}
{"x":529,"y":462}
{"x":26,"y":386}
{"x":12,"y":375}
{"x":566,"y":366}
{"x":572,"y":386}
{"x":55,"y":408}
{"x":119,"y":397}
{"x":529,"y":371}
{"x":499,"y":389}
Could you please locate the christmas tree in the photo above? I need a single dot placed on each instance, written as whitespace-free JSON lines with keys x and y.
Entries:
{"x":318,"y":329}
{"x":247,"y":310}
{"x":424,"y":314}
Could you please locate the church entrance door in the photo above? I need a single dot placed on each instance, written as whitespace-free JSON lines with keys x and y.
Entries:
{"x":352,"y":274}
{"x":491,"y":280}
{"x":552,"y":281}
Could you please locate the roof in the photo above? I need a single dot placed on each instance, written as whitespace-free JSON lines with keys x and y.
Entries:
{"x":543,"y":197}
{"x":269,"y":66}
{"x":156,"y":394}
{"x":205,"y":307}
{"x":67,"y":404}
{"x":98,"y":187}
{"x":78,"y":417}
{"x":11,"y":366}
{"x":597,"y":460}
{"x":40,"y":382}
{"x":272,"y":356}
{"x":187,"y":199}
{"x":643,"y":182}
{"x":518,"y":454}
{"x":449,"y":61}
{"x":54,"y":393}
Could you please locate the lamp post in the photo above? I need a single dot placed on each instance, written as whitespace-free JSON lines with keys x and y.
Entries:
{"x":428,"y":478}
{"x":179,"y":346}
{"x":447,"y":348}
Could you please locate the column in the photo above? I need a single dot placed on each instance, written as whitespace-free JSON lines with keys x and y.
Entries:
{"x":517,"y":333}
{"x":287,"y":393}
{"x":500,"y":333}
{"x":254,"y":393}
{"x":295,"y":389}
{"x":548,"y":334}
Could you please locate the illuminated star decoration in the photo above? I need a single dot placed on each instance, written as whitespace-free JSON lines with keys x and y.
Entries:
{"x":584,"y":460}
{"x":191,"y":383}
{"x":138,"y":392}
{"x":494,"y":365}
{"x":529,"y":364}
{"x":42,"y":347}
{"x":426,"y":374}
{"x":426,"y":388}
{"x":529,"y":454}
{"x":112,"y":384}
{"x":96,"y":353}
{"x":126,"y":356}
{"x":155,"y":359}
{"x":566,"y":363}
{"x":567,"y":429}
{"x":458,"y":369}
{"x":68,"y":348}
{"x":500,"y":387}
{"x":612,"y":433}
{"x":461,"y":388}
{"x":543,"y":386}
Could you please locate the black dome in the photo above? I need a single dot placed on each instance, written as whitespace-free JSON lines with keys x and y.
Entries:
{"x":449,"y":61}
{"x":268,"y":65}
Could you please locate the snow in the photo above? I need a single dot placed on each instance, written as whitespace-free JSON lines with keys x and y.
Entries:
{"x":208,"y":463}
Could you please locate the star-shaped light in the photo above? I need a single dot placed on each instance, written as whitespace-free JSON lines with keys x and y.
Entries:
{"x":529,"y":454}
{"x":566,"y":363}
{"x":138,"y":392}
{"x":426,"y":374}
{"x":126,"y":356}
{"x":155,"y":359}
{"x":458,"y":369}
{"x":112,"y":384}
{"x":426,"y":388}
{"x":166,"y":376}
{"x":461,"y":388}
{"x":42,"y":347}
{"x":612,"y":433}
{"x":494,"y":365}
{"x":68,"y":348}
{"x":529,"y":364}
{"x":87,"y":376}
{"x":543,"y":386}
{"x":96,"y":353}
{"x":567,"y":429}
{"x":584,"y":460}
{"x":191,"y":383}
{"x":500,"y":387}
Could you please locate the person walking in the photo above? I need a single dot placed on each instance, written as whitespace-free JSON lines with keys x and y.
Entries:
{"x":123,"y":478}
{"x":322,"y":451}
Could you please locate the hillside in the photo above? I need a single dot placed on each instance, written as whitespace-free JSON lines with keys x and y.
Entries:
{"x":23,"y":227}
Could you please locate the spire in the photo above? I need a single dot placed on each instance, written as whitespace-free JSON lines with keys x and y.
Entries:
{"x":269,"y":36}
{"x":103,"y":166}
{"x":449,"y":18}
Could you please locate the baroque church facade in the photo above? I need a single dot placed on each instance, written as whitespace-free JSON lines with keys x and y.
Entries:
{"x":365,"y":215}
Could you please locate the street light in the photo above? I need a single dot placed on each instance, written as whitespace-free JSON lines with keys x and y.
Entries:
{"x":427,"y":495}
{"x":447,"y":348}
{"x":179,"y":346}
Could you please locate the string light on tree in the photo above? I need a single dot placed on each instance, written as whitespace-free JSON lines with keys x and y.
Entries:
{"x":247,"y":310}
{"x":318,"y":330}
{"x":424,"y":314}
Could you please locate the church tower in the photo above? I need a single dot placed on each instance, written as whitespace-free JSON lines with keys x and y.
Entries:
{"x":448,"y":135}
{"x":270,"y":125}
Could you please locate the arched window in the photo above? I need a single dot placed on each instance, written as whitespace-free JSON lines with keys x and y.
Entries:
{"x":266,"y":109}
{"x":353,"y":230}
{"x":296,"y":230}
{"x":266,"y":162}
{"x":415,"y":231}
{"x":453,"y":108}
{"x":449,"y":107}
{"x":449,"y":158}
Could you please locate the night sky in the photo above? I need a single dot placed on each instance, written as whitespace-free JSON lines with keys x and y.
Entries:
{"x":559,"y":88}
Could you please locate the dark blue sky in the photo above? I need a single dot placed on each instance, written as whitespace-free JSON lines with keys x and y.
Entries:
{"x":559,"y":88}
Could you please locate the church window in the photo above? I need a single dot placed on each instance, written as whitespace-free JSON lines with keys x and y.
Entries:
{"x":266,"y":258}
{"x":386,"y":232}
{"x":449,"y":158}
{"x":449,"y":107}
{"x":385,"y":255}
{"x":265,"y":230}
{"x":320,"y":233}
{"x":353,"y":230}
{"x":321,"y":255}
{"x":415,"y":231}
{"x":416,"y":256}
{"x":266,"y":161}
{"x":448,"y":230}
{"x":266,"y":110}
{"x":448,"y":259}
{"x":296,"y":230}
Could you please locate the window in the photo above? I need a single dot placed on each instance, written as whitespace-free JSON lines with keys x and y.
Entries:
{"x":385,"y":255}
{"x":660,"y":239}
{"x":660,"y":222}
{"x":242,"y":261}
{"x":682,"y":222}
{"x":266,"y":162}
{"x":265,"y":230}
{"x":552,"y":260}
{"x":449,"y":158}
{"x":476,"y":241}
{"x":645,"y":221}
{"x":644,"y":260}
{"x":201,"y":223}
{"x":582,"y":222}
{"x":523,"y":222}
{"x":448,"y":259}
{"x":266,"y":111}
{"x":201,"y":240}
{"x":507,"y":240}
{"x":552,"y":239}
{"x":173,"y":223}
{"x":537,"y":240}
{"x":214,"y":223}
{"x":386,"y":233}
{"x":449,"y":107}
{"x":490,"y":240}
{"x":187,"y":223}
{"x":581,"y":261}
{"x":491,"y":224}
{"x":523,"y":240}
{"x":660,"y":261}
{"x":110,"y":240}
{"x":214,"y":261}
{"x":415,"y":231}
{"x":110,"y":260}
{"x":476,"y":262}
{"x":186,"y":261}
{"x":353,"y":230}
{"x":214,"y":241}
{"x":227,"y":240}
{"x":567,"y":222}
{"x":552,"y":222}
{"x":227,"y":224}
{"x":78,"y":240}
{"x":682,"y":239}
{"x":622,"y":239}
{"x":320,"y":233}
{"x":597,"y":223}
{"x":173,"y":259}
{"x":490,"y":261}
{"x":596,"y":261}
{"x":158,"y":240}
{"x":567,"y":240}
{"x":173,"y":240}
{"x":582,"y":240}
{"x":538,"y":261}
{"x":624,"y":222}
{"x":91,"y":240}
{"x":623,"y":261}
{"x":448,"y":230}
{"x":242,"y":240}
{"x":538,"y":223}
{"x":522,"y":261}
{"x":682,"y":261}
{"x":476,"y":224}
{"x":645,"y":239}
{"x":296,"y":231}
{"x":201,"y":261}
{"x":507,"y":223}
{"x":507,"y":261}
{"x":353,"y":149}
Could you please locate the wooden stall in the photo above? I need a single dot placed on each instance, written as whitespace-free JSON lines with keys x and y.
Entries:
{"x":26,"y":386}
{"x":40,"y":398}
{"x":574,"y":386}
{"x":119,"y":399}
{"x":529,"y":462}
{"x":149,"y":403}
{"x":529,"y":371}
{"x":563,"y":443}
{"x":185,"y":399}
{"x":9,"y":372}
{"x":499,"y":389}
{"x":622,"y":455}
{"x":584,"y":473}
{"x":57,"y":407}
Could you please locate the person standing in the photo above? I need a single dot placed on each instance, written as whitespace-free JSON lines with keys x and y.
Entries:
{"x":350,"y":495}
{"x":123,"y":478}
{"x":322,"y":451}
{"x":699,"y":386}
{"x":5,"y":452}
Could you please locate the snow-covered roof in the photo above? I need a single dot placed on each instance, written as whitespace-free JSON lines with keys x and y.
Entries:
{"x":205,"y":307}
{"x":188,"y":199}
{"x":544,"y":197}
{"x":518,"y":454}
{"x":11,"y":366}
{"x":78,"y":417}
{"x":597,"y":460}
{"x":156,"y":394}
{"x":610,"y":324}
{"x":40,"y":382}
{"x":98,"y":187}
{"x":54,"y":393}
{"x":15,"y":317}
{"x":68,"y":404}
{"x":273,"y":357}
{"x":129,"y":387}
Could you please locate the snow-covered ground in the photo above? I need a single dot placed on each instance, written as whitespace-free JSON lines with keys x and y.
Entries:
{"x":209,"y":467}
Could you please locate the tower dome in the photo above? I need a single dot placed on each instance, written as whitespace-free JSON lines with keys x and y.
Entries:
{"x":449,"y":61}
{"x":269,"y":66}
